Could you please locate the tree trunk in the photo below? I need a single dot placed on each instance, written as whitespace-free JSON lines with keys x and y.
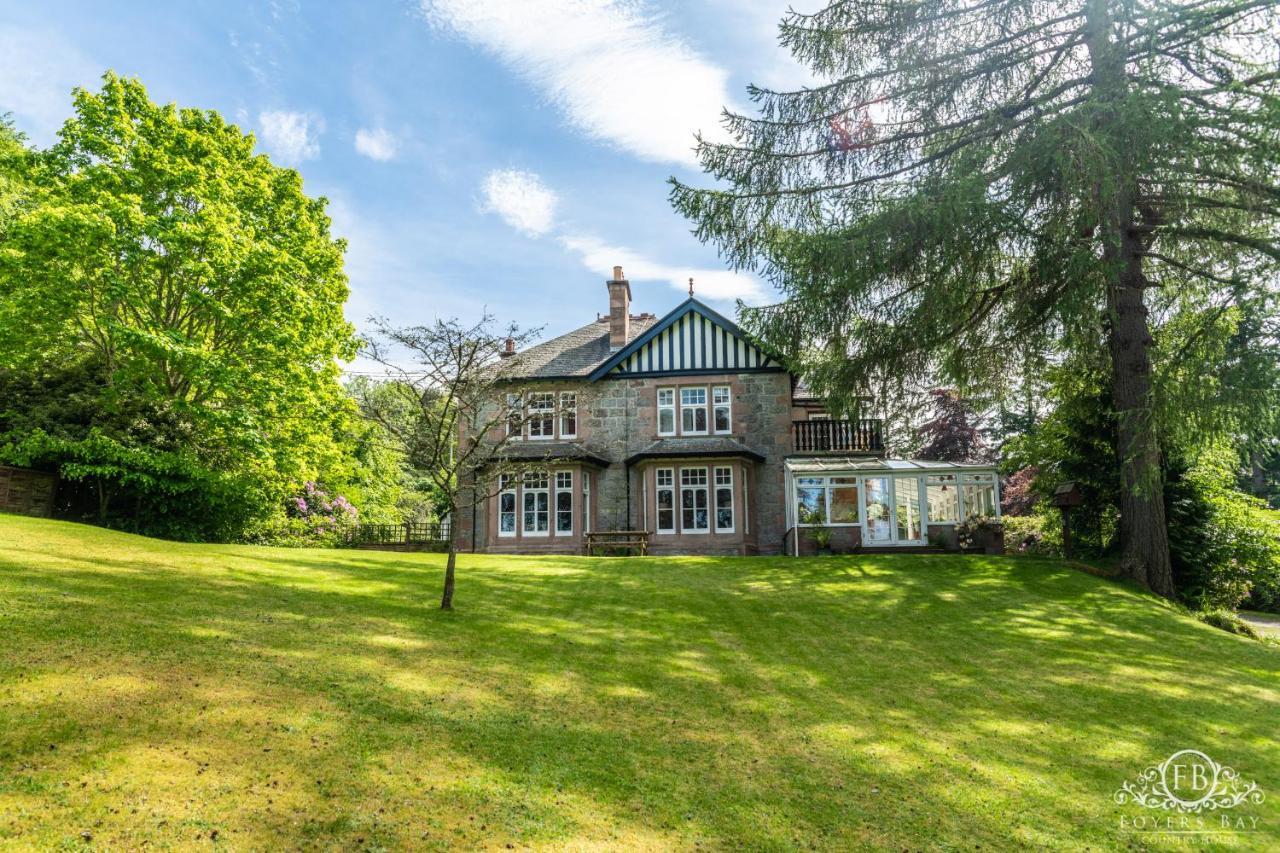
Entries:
{"x":446,"y":600}
{"x":1144,"y":531}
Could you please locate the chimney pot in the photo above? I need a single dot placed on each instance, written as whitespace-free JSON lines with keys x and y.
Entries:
{"x":617,"y":273}
{"x":509,"y":348}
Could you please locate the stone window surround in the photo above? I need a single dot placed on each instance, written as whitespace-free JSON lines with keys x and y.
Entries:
{"x":677,"y":408}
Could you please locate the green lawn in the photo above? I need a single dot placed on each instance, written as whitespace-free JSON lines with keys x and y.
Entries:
{"x":162,"y":694}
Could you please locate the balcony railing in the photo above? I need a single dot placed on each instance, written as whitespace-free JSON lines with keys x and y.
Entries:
{"x":862,"y":436}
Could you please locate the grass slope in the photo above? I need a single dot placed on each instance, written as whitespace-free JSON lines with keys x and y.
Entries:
{"x":164,"y":694}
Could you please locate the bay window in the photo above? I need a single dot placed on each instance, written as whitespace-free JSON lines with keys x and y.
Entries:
{"x":506,"y":505}
{"x":564,"y":503}
{"x":537,"y":502}
{"x":666,"y":500}
{"x":724,"y":499}
{"x":694,"y":514}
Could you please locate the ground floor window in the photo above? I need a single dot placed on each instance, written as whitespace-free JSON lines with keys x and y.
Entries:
{"x":586,"y":502}
{"x":943,"y":498}
{"x":827,"y":500}
{"x":694,"y":515}
{"x":666,"y":494}
{"x":506,"y":505}
{"x":724,"y":500}
{"x":978,"y":492}
{"x":564,"y":503}
{"x":537,"y":502}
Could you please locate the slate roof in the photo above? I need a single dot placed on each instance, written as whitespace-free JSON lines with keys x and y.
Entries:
{"x":573,"y":354}
{"x":562,"y":450}
{"x":719,"y":445}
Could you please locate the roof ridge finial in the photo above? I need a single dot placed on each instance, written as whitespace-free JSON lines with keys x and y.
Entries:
{"x":690,"y":287}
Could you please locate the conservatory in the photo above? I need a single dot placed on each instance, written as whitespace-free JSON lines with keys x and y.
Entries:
{"x":886,"y":502}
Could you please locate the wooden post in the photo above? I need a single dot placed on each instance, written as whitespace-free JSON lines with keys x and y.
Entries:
{"x":1066,"y":497}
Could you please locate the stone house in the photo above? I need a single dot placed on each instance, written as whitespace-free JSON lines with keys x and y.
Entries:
{"x":683,"y":427}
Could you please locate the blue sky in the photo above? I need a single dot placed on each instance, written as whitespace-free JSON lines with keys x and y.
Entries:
{"x":500,"y":155}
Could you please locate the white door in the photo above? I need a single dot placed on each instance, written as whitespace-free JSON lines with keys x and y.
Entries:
{"x":877,"y":516}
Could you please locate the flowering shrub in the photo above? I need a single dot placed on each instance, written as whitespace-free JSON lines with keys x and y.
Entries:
{"x":977,"y":531}
{"x":313,"y":517}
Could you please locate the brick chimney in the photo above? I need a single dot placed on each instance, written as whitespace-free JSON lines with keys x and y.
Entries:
{"x":508,"y":348}
{"x":619,"y":310}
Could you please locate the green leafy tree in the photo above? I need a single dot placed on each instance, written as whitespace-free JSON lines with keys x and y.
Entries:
{"x":195,"y":278}
{"x":970,"y":179}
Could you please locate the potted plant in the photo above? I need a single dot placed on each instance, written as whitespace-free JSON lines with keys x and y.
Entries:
{"x":822,"y":540}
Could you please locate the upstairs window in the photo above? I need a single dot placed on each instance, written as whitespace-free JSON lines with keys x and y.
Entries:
{"x":542,"y":422}
{"x":666,"y":411}
{"x":693,"y":411}
{"x":568,"y":414}
{"x":721,"y":409}
{"x":515,"y":416}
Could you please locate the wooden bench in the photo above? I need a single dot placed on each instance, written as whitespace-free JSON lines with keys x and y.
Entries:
{"x":632,"y":541}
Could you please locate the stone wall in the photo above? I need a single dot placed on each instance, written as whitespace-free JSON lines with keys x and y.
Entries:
{"x":618,"y":418}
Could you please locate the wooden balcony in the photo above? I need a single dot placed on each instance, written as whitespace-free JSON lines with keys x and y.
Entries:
{"x":860,"y":436}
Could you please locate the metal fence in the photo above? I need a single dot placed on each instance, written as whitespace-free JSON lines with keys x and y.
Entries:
{"x":410,"y":533}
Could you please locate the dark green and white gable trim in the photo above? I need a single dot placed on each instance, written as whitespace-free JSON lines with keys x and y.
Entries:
{"x":692,"y":339}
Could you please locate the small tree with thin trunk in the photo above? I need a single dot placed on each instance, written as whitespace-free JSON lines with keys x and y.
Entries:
{"x":449,"y":409}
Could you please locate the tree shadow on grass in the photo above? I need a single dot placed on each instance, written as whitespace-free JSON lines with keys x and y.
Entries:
{"x":764,"y":703}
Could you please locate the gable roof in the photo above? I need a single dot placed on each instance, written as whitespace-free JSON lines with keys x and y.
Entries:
{"x":574,"y":354}
{"x":692,"y":338}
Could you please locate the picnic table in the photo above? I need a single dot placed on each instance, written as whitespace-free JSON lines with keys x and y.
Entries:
{"x":631,"y":541}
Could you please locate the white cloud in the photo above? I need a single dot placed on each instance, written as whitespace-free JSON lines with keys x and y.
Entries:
{"x":713,"y":284}
{"x":38,"y":70}
{"x":614,"y":71}
{"x":522,"y":200}
{"x":292,"y":137}
{"x":377,"y":144}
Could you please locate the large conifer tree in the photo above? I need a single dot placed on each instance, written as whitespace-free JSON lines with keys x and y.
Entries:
{"x":975,"y":176}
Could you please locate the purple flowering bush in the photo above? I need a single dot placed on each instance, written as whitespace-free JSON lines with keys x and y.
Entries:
{"x":313,"y":517}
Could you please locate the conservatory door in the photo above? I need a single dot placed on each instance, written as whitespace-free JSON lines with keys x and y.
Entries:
{"x":909,"y":527}
{"x":878,"y":518}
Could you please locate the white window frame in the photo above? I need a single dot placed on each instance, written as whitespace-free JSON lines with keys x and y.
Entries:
{"x":827,"y":487}
{"x":717,"y":487}
{"x":671,"y":407}
{"x":951,"y":481}
{"x":515,"y":413}
{"x":726,"y":404}
{"x":968,"y":480}
{"x":526,"y":492}
{"x":695,"y":408}
{"x":543,"y":413}
{"x":507,"y":488}
{"x":669,"y":488}
{"x":705,"y":488}
{"x":568,"y":414}
{"x":586,"y":502}
{"x":557,"y":480}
